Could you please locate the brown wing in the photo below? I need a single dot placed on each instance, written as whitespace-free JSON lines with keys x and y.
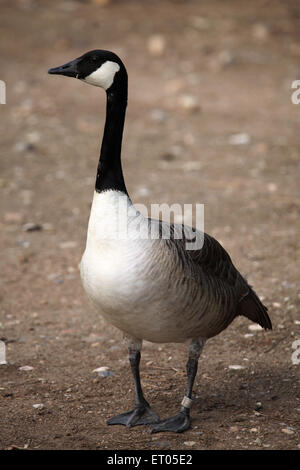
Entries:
{"x":212,"y":265}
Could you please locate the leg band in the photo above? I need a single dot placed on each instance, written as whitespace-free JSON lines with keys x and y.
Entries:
{"x":187,"y":402}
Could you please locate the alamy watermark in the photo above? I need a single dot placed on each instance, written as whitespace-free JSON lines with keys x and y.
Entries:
{"x":296,"y":94}
{"x":296,"y":354}
{"x":163,"y":221}
{"x":2,"y":92}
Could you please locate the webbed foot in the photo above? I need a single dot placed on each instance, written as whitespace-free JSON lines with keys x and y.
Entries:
{"x":141,"y":414}
{"x":177,"y":423}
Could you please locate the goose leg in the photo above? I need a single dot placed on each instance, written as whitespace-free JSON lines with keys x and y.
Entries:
{"x":141,"y":413}
{"x":181,"y":421}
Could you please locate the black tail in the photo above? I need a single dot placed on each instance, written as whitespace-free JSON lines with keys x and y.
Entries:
{"x":252,"y":308}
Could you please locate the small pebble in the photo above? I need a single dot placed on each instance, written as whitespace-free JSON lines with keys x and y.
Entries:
{"x":23,"y":243}
{"x":288,"y":431}
{"x":255,"y":327}
{"x":25,"y":368}
{"x":38,"y":406}
{"x":260,"y":31}
{"x":239,"y":139}
{"x":272,"y":187}
{"x":276,"y":304}
{"x":188,"y":103}
{"x":189,"y":443}
{"x":103,"y":371}
{"x":233,"y":429}
{"x":236,"y":367}
{"x":156,"y":45}
{"x":20,"y":146}
{"x":31,"y":227}
{"x":2,"y":353}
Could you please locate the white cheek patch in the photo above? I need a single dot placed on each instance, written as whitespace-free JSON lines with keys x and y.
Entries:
{"x":104,"y":75}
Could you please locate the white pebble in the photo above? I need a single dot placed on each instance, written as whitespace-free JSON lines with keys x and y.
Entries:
{"x":103,"y":371}
{"x":156,"y":45}
{"x":255,"y":327}
{"x":100,"y":369}
{"x":189,"y":443}
{"x":272,"y":187}
{"x":38,"y":406}
{"x":25,"y":368}
{"x":188,"y":103}
{"x":236,"y":367}
{"x":276,"y":304}
{"x":239,"y":139}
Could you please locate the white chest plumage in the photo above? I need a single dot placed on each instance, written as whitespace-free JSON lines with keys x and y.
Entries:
{"x":113,"y":264}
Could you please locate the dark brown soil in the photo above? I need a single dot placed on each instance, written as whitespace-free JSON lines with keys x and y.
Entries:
{"x":237,"y":61}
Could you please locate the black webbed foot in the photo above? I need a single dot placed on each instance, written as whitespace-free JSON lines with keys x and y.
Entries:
{"x":177,"y":423}
{"x":141,"y":414}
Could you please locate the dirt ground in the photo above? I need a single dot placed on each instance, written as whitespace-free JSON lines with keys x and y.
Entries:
{"x":210,"y":120}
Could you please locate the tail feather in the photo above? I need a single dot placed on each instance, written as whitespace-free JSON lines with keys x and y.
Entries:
{"x":252,"y":308}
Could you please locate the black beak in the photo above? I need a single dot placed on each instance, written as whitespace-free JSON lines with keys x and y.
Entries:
{"x":69,"y":69}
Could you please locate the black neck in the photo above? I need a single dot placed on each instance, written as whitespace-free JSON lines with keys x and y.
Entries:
{"x":109,"y":173}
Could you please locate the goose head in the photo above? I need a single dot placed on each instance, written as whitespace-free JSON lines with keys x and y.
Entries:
{"x":99,"y":68}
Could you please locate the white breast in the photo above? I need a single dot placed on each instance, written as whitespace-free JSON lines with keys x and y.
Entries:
{"x":114,"y":260}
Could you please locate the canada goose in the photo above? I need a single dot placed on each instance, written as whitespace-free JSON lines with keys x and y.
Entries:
{"x":151,"y":288}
